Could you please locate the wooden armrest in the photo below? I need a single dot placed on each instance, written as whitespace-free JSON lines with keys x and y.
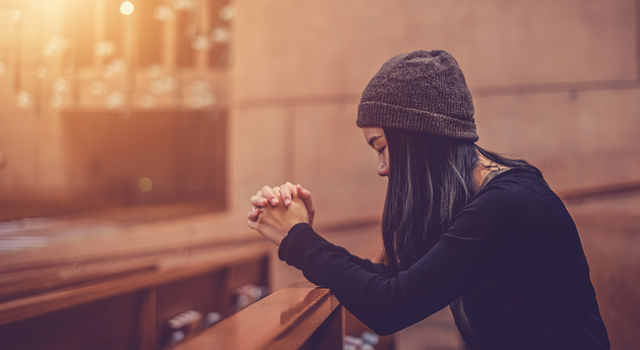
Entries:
{"x":285,"y":319}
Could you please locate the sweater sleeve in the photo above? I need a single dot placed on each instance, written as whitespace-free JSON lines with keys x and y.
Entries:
{"x":484,"y":235}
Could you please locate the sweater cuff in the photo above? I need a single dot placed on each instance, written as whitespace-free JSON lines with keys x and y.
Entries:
{"x":295,"y":245}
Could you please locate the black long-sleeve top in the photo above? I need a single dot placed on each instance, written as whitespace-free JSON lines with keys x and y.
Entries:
{"x":513,"y":254}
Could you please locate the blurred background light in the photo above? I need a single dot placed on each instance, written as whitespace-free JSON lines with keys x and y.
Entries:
{"x":59,"y":84}
{"x":153,"y":70}
{"x":1,"y":67}
{"x":197,"y":86}
{"x":56,"y":100}
{"x":200,"y":42}
{"x":167,"y":83}
{"x":96,"y":88}
{"x":209,"y":98}
{"x":160,"y":13}
{"x":41,"y":71}
{"x":126,"y":8}
{"x":113,"y":100}
{"x":227,"y":13}
{"x":146,"y":101}
{"x":24,"y":99}
{"x":156,"y":87}
{"x":219,"y":35}
{"x":195,"y":101}
{"x":145,"y":184}
{"x":104,"y":48}
{"x":179,"y":4}
{"x":51,"y":45}
{"x":114,"y":66}
{"x":16,"y":15}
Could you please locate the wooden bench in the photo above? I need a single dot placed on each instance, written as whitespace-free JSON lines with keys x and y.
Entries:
{"x":118,"y":289}
{"x":300,"y":316}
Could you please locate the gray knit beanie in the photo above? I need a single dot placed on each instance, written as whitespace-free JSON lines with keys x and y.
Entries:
{"x":420,"y":91}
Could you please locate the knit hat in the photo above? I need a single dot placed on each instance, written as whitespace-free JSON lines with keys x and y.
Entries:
{"x":420,"y":91}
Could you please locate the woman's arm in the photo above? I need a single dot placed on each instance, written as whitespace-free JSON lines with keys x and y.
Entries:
{"x":475,"y":248}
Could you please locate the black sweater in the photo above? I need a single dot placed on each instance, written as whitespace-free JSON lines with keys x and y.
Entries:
{"x":513,"y":254}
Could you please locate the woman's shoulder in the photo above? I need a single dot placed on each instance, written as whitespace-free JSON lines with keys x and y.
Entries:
{"x":518,"y":177}
{"x":522,"y":188}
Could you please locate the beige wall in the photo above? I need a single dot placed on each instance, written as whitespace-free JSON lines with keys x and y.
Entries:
{"x":554,"y":82}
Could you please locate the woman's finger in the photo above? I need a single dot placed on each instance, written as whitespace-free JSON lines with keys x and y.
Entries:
{"x":287,"y":191}
{"x":253,"y":214}
{"x":305,"y":195}
{"x":270,"y":195}
{"x":258,"y":201}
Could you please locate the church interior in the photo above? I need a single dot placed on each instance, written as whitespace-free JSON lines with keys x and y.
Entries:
{"x":133,"y":133}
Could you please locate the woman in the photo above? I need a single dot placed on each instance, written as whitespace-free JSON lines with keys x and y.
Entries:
{"x":461,"y":226}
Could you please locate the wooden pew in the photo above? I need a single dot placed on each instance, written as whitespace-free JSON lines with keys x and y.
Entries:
{"x":118,"y":290}
{"x":300,"y":316}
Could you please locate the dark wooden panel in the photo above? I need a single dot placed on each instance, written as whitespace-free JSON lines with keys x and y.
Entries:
{"x":203,"y":294}
{"x":106,"y":324}
{"x":253,"y":273}
{"x":182,"y":152}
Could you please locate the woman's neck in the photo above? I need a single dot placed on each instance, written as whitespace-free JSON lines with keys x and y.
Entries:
{"x":483,"y":168}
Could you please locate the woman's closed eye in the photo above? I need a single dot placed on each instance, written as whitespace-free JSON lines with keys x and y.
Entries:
{"x":382,"y":150}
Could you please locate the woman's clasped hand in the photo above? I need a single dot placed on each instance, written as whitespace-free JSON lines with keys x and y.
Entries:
{"x":276,"y":210}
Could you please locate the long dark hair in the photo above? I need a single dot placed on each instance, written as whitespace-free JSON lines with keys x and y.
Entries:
{"x":431,"y":178}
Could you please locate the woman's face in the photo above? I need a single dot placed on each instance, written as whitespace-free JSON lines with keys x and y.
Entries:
{"x":375,"y":138}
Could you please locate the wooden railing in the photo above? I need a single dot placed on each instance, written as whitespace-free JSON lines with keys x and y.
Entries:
{"x":594,"y":192}
{"x":119,"y":291}
{"x":300,"y":316}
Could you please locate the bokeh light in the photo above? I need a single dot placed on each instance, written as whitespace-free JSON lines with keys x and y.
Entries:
{"x":114,"y":100}
{"x":59,"y":84}
{"x":96,"y":88}
{"x":160,"y":13}
{"x":219,"y":35}
{"x":227,"y":13}
{"x":179,"y":4}
{"x":199,"y":42}
{"x":56,"y":100}
{"x":126,"y":8}
{"x":104,"y":48}
{"x":16,"y":15}
{"x":146,"y":101}
{"x":41,"y":72}
{"x":24,"y":99}
{"x":153,"y":70}
{"x":145,"y":184}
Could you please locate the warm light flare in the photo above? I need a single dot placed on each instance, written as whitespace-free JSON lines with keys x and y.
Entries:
{"x":145,"y":184}
{"x":126,"y":8}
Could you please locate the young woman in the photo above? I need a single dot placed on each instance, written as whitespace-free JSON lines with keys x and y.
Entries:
{"x":461,"y":226}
